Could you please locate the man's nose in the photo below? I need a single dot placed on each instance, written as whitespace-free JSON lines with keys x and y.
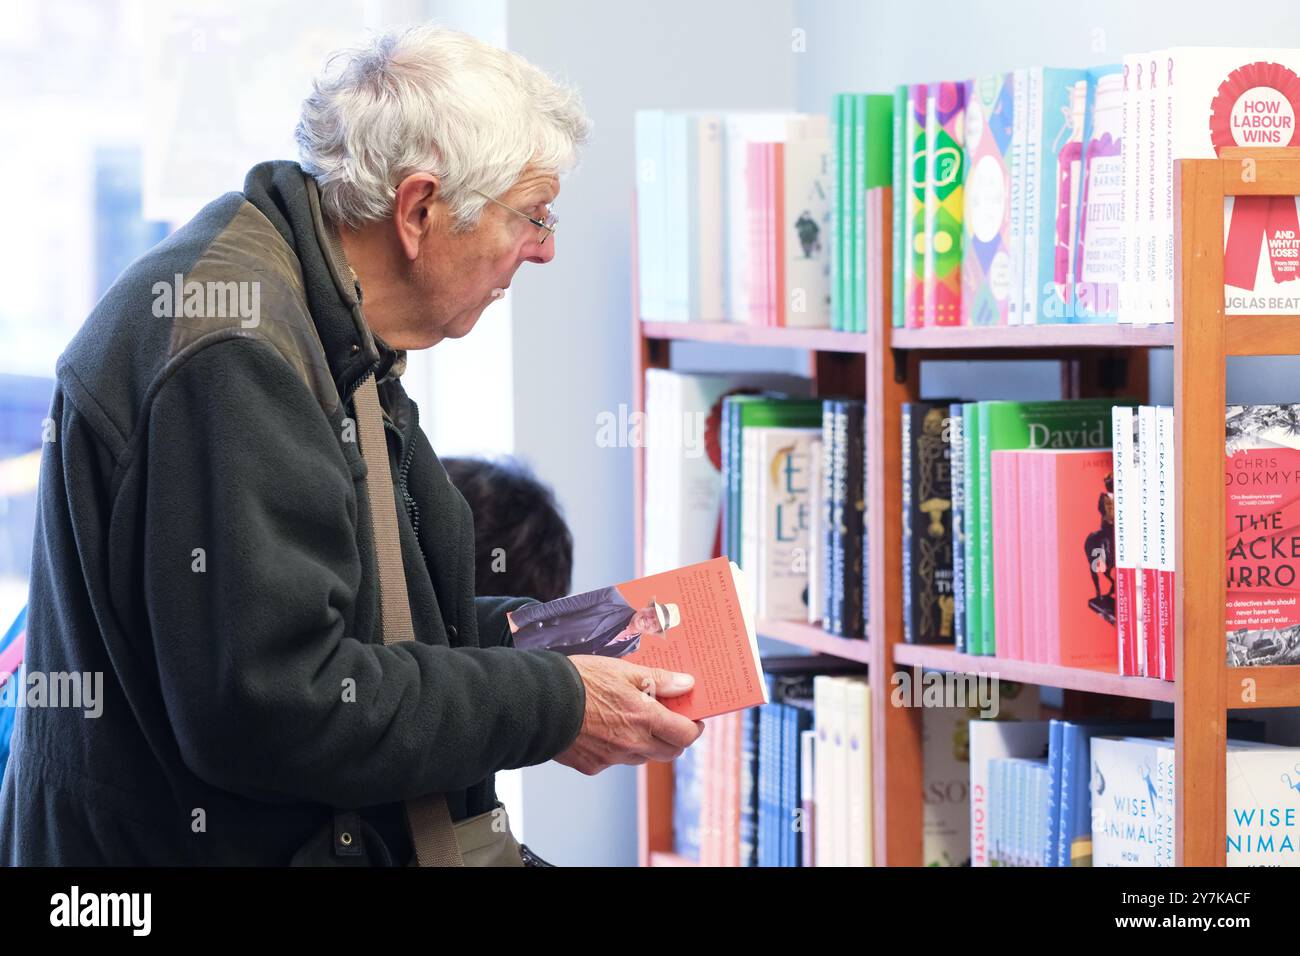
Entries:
{"x":542,"y":252}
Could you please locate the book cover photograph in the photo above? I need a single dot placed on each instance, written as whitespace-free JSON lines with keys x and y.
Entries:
{"x":694,"y":620}
{"x":1263,"y":543}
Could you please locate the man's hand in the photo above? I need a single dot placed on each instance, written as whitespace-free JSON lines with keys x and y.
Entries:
{"x":624,"y":723}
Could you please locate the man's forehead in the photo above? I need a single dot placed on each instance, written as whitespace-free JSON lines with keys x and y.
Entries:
{"x":536,"y":180}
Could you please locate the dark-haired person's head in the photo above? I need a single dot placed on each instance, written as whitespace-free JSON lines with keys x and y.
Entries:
{"x":522,"y":545}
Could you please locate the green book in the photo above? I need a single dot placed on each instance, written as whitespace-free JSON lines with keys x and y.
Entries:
{"x":843,"y":177}
{"x":1015,"y":426}
{"x":761,"y":411}
{"x":876,"y":148}
{"x":899,"y":153}
{"x":970,"y":491}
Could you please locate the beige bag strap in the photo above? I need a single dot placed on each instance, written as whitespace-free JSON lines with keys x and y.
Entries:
{"x":427,"y":817}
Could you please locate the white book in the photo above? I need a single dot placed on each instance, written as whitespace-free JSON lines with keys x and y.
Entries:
{"x":1016,"y":165}
{"x":676,"y":240}
{"x":1129,"y":805}
{"x":1031,"y":217}
{"x":1148,"y":462}
{"x":806,"y":225}
{"x":784,"y":518}
{"x":1263,"y":821}
{"x":1166,"y":198}
{"x":1154,"y":131}
{"x":826,"y":833}
{"x":857,"y":756}
{"x":991,"y":740}
{"x":808,"y":790}
{"x":708,"y":303}
{"x":1132,"y":295}
{"x":1165,"y":531}
{"x":816,"y":531}
{"x":1127,"y":516}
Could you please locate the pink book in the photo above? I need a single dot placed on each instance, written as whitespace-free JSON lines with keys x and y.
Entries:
{"x":1029,"y":579}
{"x":1044,"y":556}
{"x":755,"y":161}
{"x":1083,"y":532}
{"x":778,"y":312}
{"x":769,"y":234}
{"x":1006,"y":554}
{"x":1149,"y":462}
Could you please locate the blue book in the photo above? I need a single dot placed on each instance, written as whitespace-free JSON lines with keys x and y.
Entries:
{"x":749,"y":787}
{"x":769,"y":764}
{"x":1055,"y":735}
{"x":799,"y":717}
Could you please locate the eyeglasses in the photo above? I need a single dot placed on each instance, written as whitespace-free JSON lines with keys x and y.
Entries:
{"x":547,"y":225}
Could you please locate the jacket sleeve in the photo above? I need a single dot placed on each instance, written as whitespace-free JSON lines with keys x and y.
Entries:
{"x":251,"y":571}
{"x":493,"y":628}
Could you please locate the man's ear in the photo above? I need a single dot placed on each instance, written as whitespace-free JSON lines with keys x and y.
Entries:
{"x":417,"y":211}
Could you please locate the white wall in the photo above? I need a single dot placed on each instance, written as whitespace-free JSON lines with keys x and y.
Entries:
{"x":572,"y":319}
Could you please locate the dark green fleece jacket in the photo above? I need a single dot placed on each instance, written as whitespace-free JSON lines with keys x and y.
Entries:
{"x":203,"y":542}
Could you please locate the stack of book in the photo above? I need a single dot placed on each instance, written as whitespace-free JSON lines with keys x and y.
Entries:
{"x":734,"y":217}
{"x":784,"y":784}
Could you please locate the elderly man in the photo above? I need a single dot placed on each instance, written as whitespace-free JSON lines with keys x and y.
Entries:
{"x":204,"y":535}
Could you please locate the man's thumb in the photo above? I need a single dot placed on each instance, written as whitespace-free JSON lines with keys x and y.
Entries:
{"x":671,"y":683}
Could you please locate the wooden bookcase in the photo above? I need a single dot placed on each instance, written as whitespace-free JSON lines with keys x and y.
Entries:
{"x":884,"y":365}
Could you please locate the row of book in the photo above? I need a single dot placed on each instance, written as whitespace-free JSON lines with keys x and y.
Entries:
{"x":747,"y":465}
{"x":784,"y":784}
{"x":966,"y":580}
{"x":1046,"y":531}
{"x":1046,"y":195}
{"x":734,"y":217}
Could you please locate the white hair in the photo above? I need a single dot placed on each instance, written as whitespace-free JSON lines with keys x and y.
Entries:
{"x":431,"y":99}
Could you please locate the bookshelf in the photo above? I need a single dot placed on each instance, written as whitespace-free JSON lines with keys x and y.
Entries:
{"x":883,"y":365}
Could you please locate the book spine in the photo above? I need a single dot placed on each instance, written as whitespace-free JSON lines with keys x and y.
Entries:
{"x":1125,"y":566}
{"x":1052,"y":854}
{"x":1016,"y":161}
{"x":749,"y":515}
{"x":1149,"y":662}
{"x":710,"y":258}
{"x":779,"y":301}
{"x":854,"y":517}
{"x":828,"y":516}
{"x":748,"y":785}
{"x":988,"y":621}
{"x":1167,"y":572}
{"x":1028,"y":588}
{"x":929,"y":302}
{"x":899,"y":154}
{"x":807,"y":799}
{"x":1004,"y":505}
{"x":1128,"y":175}
{"x":947,"y":159}
{"x":916,"y":166}
{"x":958,"y":472}
{"x":909,"y":571}
{"x":1150,"y":203}
{"x":839,"y":494}
{"x":837,"y":212}
{"x":970,"y":478}
{"x":1167,"y":273}
{"x":858,"y":249}
{"x":1032,"y":216}
{"x":1053,"y":630}
{"x":1135,"y":206}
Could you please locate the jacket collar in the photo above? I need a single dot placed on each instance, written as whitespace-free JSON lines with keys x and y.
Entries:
{"x":289,"y":198}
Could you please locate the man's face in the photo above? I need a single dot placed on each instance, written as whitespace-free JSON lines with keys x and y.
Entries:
{"x":646,"y":621}
{"x":457,"y":274}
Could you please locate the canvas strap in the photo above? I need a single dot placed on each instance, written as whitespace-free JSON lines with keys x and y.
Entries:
{"x":427,"y":817}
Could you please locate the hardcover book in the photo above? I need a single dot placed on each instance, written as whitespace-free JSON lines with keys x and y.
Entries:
{"x":928,"y":611}
{"x":944,"y":175}
{"x":692,"y":620}
{"x":986,"y":197}
{"x":1261,"y":475}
